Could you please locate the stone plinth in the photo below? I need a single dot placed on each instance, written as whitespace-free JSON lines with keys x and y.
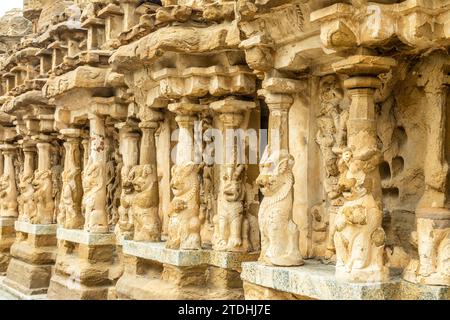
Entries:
{"x":32,"y":258}
{"x":317,"y":281}
{"x":151,"y":271}
{"x":7,"y":236}
{"x":86,"y":267}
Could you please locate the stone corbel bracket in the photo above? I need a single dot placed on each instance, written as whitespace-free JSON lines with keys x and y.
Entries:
{"x":419,"y":24}
{"x":198,"y":82}
{"x":84,"y":77}
{"x":280,"y":35}
{"x":109,"y":107}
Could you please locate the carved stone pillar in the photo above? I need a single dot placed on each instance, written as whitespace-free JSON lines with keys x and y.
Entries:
{"x":70,"y":216}
{"x":8,"y":189}
{"x":129,"y":148}
{"x":233,"y":227}
{"x":27,"y":206}
{"x":94,"y":178}
{"x":33,"y":251}
{"x":279,"y":233}
{"x":43,"y":185}
{"x":359,"y":237}
{"x":432,"y":237}
{"x":7,"y":232}
{"x":184,"y":223}
{"x":145,"y":206}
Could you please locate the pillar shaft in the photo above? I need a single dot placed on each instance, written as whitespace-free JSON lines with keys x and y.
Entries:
{"x":69,"y":215}
{"x":94,"y":179}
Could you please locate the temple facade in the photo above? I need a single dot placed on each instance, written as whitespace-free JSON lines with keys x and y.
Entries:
{"x":225,"y":149}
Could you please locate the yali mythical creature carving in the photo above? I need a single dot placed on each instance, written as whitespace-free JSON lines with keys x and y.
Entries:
{"x":145,"y":204}
{"x":359,"y":237}
{"x":27,"y":207}
{"x":8,"y":195}
{"x":432,"y":240}
{"x":184,"y":223}
{"x":69,"y":214}
{"x":125,"y":225}
{"x":279,"y":233}
{"x":43,"y":197}
{"x":232,"y":227}
{"x":93,"y":183}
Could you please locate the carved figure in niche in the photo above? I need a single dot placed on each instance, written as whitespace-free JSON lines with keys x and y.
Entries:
{"x":279,"y":233}
{"x":184,"y":223}
{"x":207,"y":205}
{"x":93,"y":182}
{"x":43,"y":197}
{"x":432,"y":240}
{"x":359,"y":237}
{"x":27,"y":207}
{"x":57,"y":170}
{"x":230,"y":217}
{"x":112,"y":186}
{"x":8,"y":196}
{"x":145,"y":204}
{"x":251,"y":208}
{"x":232,"y":226}
{"x":331,"y":137}
{"x":69,"y":214}
{"x":125,"y":225}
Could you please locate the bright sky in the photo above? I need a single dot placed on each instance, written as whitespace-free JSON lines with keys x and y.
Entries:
{"x":6,"y":5}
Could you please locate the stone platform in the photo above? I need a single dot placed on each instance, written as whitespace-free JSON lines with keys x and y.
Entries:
{"x":86,"y":267}
{"x":32,"y":258}
{"x":152,"y":271}
{"x":317,"y":281}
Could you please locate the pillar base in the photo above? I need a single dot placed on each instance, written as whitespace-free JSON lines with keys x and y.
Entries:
{"x":32,"y":258}
{"x":317,"y":281}
{"x":7,"y":236}
{"x":412,"y":275}
{"x":153,"y":272}
{"x":86,"y":266}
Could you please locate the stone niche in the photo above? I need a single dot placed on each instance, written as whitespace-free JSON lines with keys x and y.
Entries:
{"x":119,"y":178}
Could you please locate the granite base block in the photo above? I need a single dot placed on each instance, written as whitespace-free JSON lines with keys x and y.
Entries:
{"x":317,"y":281}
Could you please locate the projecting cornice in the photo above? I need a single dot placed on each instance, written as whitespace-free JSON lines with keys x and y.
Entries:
{"x":415,"y":24}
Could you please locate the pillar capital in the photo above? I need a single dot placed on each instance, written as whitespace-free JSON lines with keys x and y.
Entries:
{"x":364,"y":67}
{"x":231,"y":111}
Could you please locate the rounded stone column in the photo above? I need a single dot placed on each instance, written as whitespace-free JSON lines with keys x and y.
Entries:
{"x":70,"y":216}
{"x":8,"y":189}
{"x":94,"y":178}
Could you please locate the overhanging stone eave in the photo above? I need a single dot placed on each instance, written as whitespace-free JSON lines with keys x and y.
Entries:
{"x":177,"y":39}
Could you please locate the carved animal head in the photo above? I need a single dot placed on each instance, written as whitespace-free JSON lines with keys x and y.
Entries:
{"x":26,"y":181}
{"x":275,"y":171}
{"x":232,"y":182}
{"x":184,"y":178}
{"x":144,"y":177}
{"x":127,"y":179}
{"x":42,"y":179}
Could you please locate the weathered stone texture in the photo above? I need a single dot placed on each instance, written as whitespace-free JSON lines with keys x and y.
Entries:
{"x":219,"y":149}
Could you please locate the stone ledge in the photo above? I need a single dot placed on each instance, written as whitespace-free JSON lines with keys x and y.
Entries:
{"x":87,"y":238}
{"x":37,"y":229}
{"x":19,"y":295}
{"x":317,"y":281}
{"x":7,"y":222}
{"x":186,"y":258}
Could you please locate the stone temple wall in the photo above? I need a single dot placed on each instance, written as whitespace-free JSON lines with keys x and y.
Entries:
{"x":225,"y":149}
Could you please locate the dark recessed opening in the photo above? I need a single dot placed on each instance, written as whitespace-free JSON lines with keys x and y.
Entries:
{"x":398,"y":163}
{"x":385,"y":171}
